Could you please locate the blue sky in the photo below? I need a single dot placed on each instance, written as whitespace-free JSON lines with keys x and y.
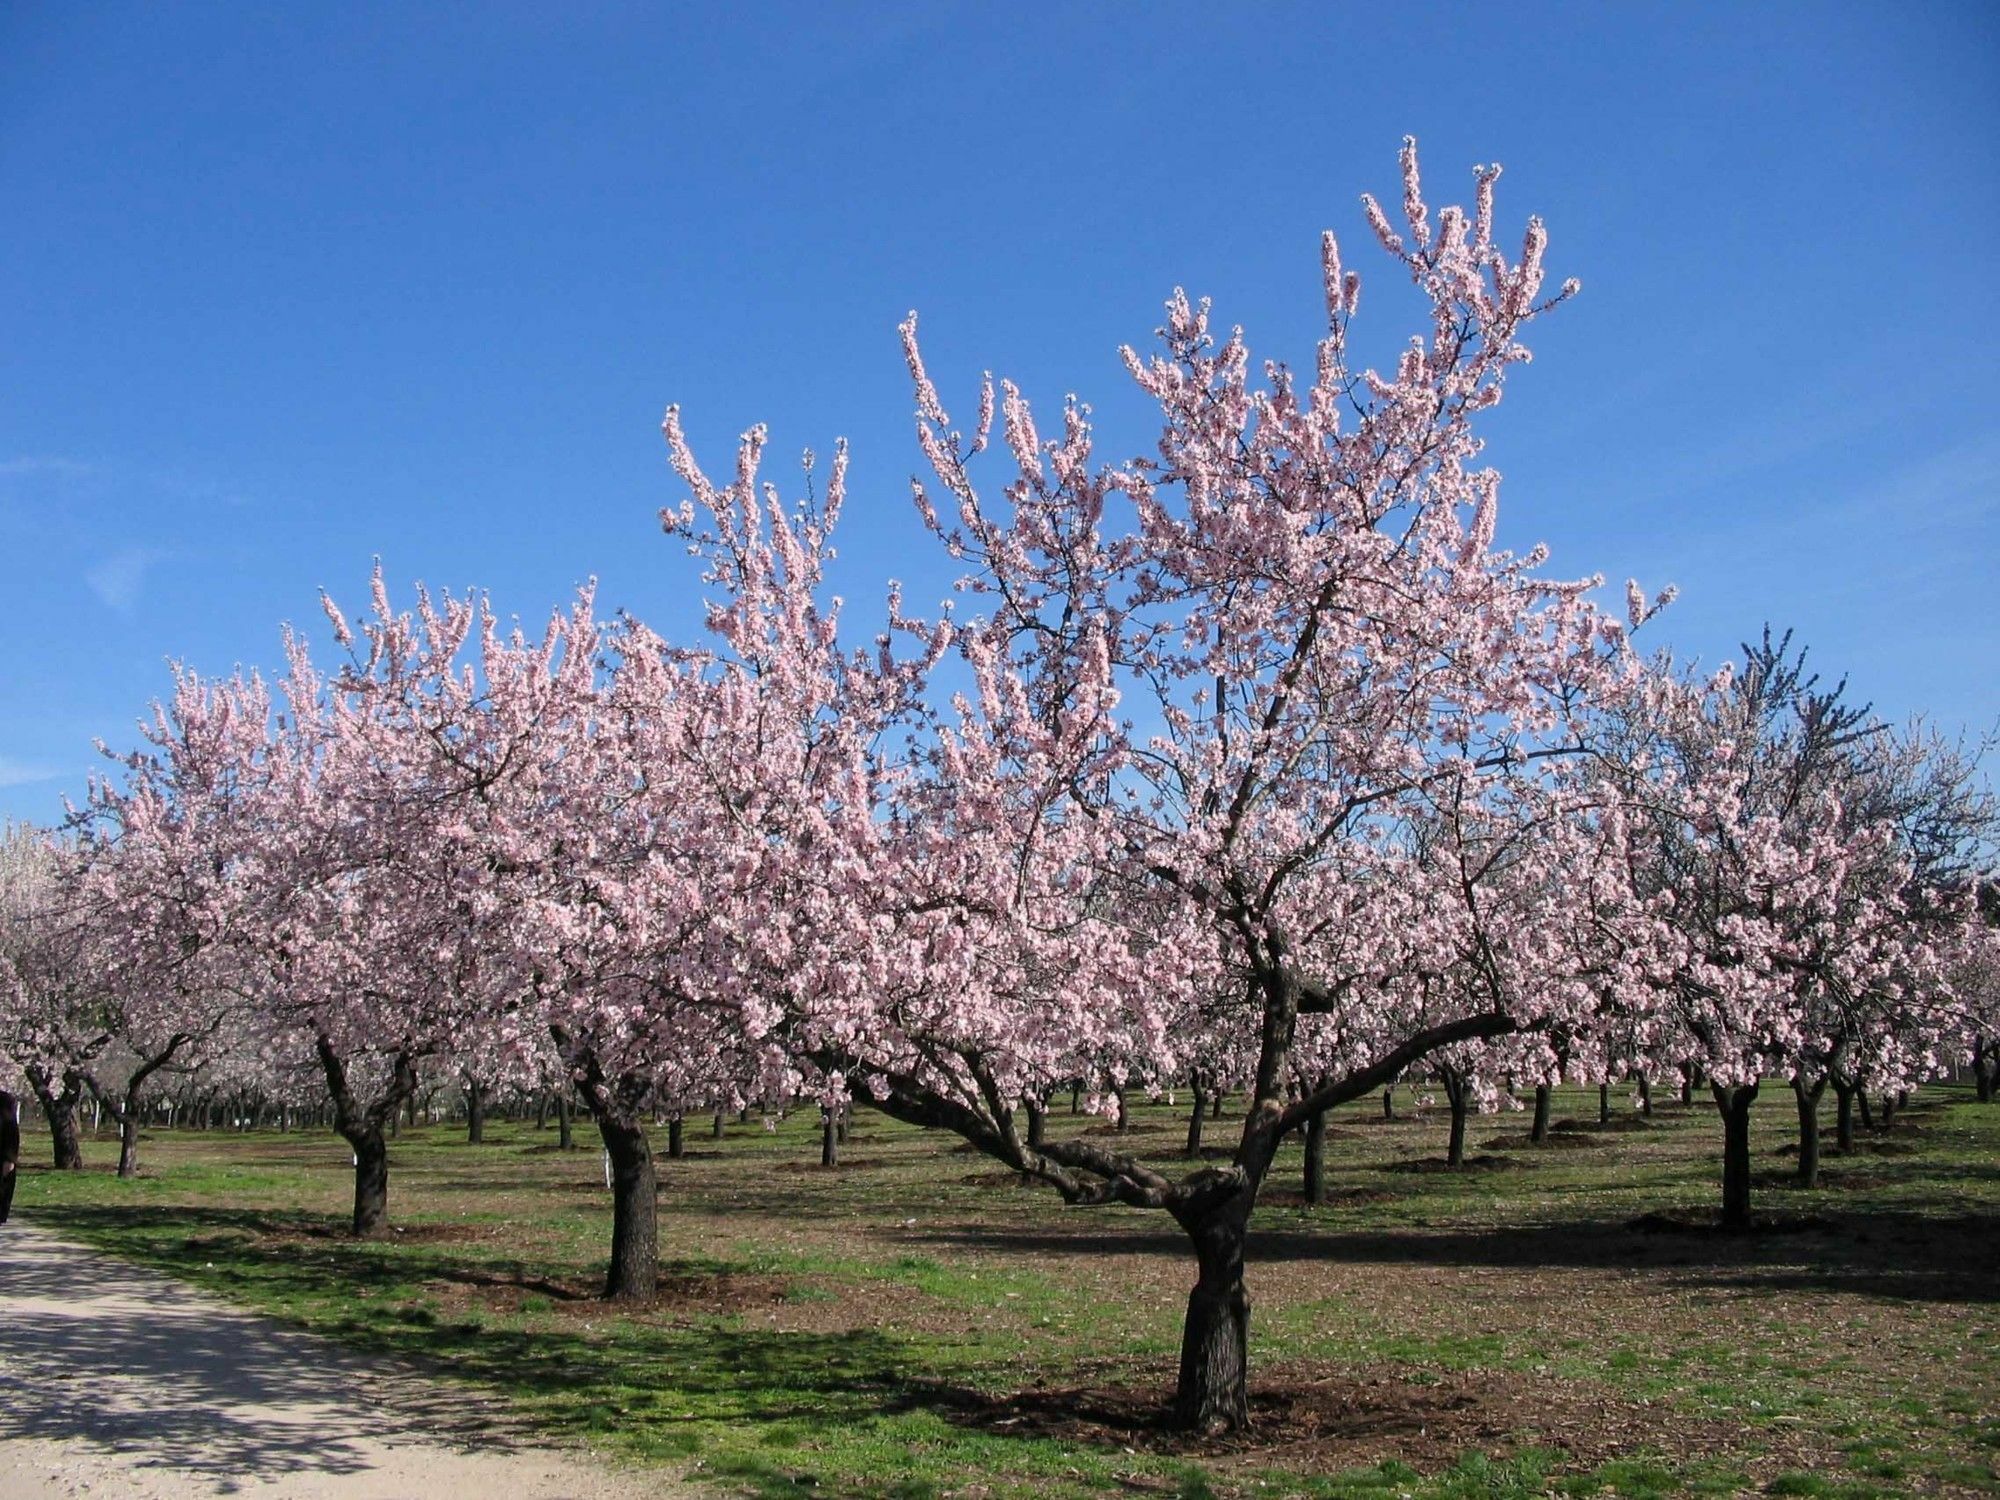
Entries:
{"x":283,"y":288}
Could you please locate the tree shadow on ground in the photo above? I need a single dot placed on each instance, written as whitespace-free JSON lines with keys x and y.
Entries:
{"x":1883,"y":1253}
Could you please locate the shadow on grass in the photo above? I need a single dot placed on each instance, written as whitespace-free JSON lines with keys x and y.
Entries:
{"x":1879,"y":1253}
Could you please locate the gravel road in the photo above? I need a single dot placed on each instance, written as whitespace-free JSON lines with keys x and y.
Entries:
{"x":117,"y":1381}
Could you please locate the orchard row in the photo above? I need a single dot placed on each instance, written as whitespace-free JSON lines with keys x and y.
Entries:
{"x":1251,"y":762}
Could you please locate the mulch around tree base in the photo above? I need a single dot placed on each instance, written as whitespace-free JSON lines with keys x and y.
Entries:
{"x":1326,"y":1419}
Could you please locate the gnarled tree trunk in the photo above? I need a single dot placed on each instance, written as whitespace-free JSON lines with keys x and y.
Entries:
{"x":1213,"y":1392}
{"x":365,"y":1129}
{"x":59,"y":1109}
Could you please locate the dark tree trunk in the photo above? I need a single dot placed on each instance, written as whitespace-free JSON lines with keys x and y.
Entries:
{"x":410,"y":1110}
{"x":542,"y":1109}
{"x":475,"y":1113}
{"x":829,"y":1138}
{"x":1734,"y":1105}
{"x":371,"y":1180}
{"x":1539,"y":1133}
{"x":1389,"y":1103}
{"x":675,"y":1148}
{"x":716,"y":1126}
{"x":565,"y":1122}
{"x":1985,"y":1069}
{"x":1076,"y":1100}
{"x":1808,"y":1100}
{"x":1687,"y":1086}
{"x":1038,"y":1122}
{"x":1195,"y":1119}
{"x":1867,"y":1114}
{"x":635,"y":1226}
{"x":1213,"y":1394}
{"x":128,"y":1143}
{"x":364,"y":1130}
{"x":1215,"y":1103}
{"x":1890,"y":1104}
{"x":59,"y":1109}
{"x":841,"y":1118}
{"x":1458,"y":1097}
{"x":1604,"y":1103}
{"x":1124,"y":1113}
{"x":1315,"y":1170}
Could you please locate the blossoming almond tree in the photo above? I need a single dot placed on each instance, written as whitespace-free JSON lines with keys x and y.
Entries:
{"x":1301,"y":590}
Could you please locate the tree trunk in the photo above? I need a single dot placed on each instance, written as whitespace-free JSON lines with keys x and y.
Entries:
{"x":1456,"y":1095}
{"x":1195,"y":1121}
{"x":542,"y":1109}
{"x":1215,"y":1103}
{"x":829,"y":1139}
{"x":1604,"y":1103}
{"x":674,"y":1147}
{"x":1213,"y":1395}
{"x":1890,"y":1104}
{"x":371,"y":1180}
{"x":1985,"y":1069}
{"x":1734,"y":1105}
{"x":635,"y":1223}
{"x":1038,"y":1123}
{"x":1867,"y":1114}
{"x":475,"y":1113}
{"x":1645,"y":1095}
{"x":1314,"y":1186}
{"x":716,"y":1126}
{"x":1076,"y":1100}
{"x":1808,"y":1099}
{"x":59,"y":1109}
{"x":1389,"y":1103}
{"x":128,"y":1143}
{"x":1539,"y":1133}
{"x":1124,"y":1113}
{"x":1687,"y":1086}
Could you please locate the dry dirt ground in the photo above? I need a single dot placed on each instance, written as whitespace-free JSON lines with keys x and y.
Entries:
{"x":118,"y":1381}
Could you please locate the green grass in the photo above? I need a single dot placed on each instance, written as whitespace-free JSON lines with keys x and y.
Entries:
{"x":849,"y":1332}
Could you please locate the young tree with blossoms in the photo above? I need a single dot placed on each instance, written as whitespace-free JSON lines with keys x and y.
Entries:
{"x":1301,"y":590}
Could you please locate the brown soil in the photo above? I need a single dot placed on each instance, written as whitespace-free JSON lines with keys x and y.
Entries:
{"x":1324,"y":1419}
{"x":846,"y":1164}
{"x":1479,"y":1163}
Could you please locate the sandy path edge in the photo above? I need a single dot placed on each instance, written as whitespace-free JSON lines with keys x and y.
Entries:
{"x":118,"y":1380}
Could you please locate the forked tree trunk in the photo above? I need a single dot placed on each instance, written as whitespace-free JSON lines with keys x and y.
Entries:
{"x":1808,"y":1100}
{"x":1539,"y":1133}
{"x":1213,"y":1393}
{"x":364,"y":1130}
{"x":59,"y":1109}
{"x":1315,"y":1169}
{"x":1195,"y":1119}
{"x":634,"y":1272}
{"x":1734,"y":1105}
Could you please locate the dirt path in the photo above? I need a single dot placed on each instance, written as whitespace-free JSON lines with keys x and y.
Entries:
{"x":115,"y":1380}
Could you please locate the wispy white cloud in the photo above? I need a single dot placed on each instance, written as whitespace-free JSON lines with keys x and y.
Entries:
{"x":53,"y":465}
{"x":119,"y":579}
{"x":23,"y":773}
